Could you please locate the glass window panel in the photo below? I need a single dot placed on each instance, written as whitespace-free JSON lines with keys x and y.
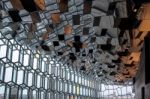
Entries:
{"x":52,"y":95}
{"x":35,"y":61}
{"x":55,"y":83}
{"x":2,"y":91}
{"x":34,"y":94}
{"x":81,"y":90}
{"x":103,"y":87}
{"x":70,"y":88}
{"x":60,"y":84}
{"x":42,"y":95}
{"x":46,"y":82}
{"x":52,"y":83}
{"x":14,"y":75}
{"x":129,"y":89}
{"x":15,"y":56}
{"x":1,"y":71}
{"x":63,"y":86}
{"x":30,"y":79}
{"x":87,"y":91}
{"x":3,"y":51}
{"x":79,"y":79}
{"x":14,"y":92}
{"x":20,"y":77}
{"x":88,"y":83}
{"x":83,"y":80}
{"x":7,"y":93}
{"x":124,"y":90}
{"x":110,"y":87}
{"x":61,"y":72}
{"x":49,"y":83}
{"x":8,"y":74}
{"x":74,"y":89}
{"x":72,"y":76}
{"x":66,"y":87}
{"x":48,"y":96}
{"x":78,"y":89}
{"x":19,"y":92}
{"x":38,"y":81}
{"x":111,"y":92}
{"x":26,"y":60}
{"x":56,"y":71}
{"x":119,"y":91}
{"x":53,"y":69}
{"x":68,"y":75}
{"x":25,"y":94}
{"x":64,"y":73}
{"x":50,"y":69}
{"x":76,"y":78}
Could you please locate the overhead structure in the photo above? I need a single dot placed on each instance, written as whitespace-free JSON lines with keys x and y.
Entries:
{"x":100,"y":38}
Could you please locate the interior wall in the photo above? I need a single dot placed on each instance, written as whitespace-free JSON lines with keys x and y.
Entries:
{"x":142,"y":89}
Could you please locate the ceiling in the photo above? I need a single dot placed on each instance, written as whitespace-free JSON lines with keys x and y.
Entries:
{"x":91,"y":36}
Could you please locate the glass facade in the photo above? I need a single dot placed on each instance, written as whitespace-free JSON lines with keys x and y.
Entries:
{"x":116,"y":92}
{"x":27,"y":74}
